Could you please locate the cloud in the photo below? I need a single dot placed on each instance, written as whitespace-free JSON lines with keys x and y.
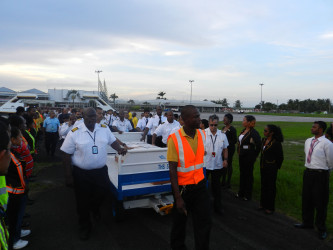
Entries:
{"x":327,"y":36}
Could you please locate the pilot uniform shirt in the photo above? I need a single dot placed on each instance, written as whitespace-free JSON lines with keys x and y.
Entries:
{"x":322,"y":154}
{"x":78,"y":122}
{"x":64,"y":129}
{"x":154,"y":122}
{"x":214,"y":147}
{"x":165,"y":129}
{"x":104,"y":121}
{"x":51,"y":125}
{"x":124,"y":126}
{"x":80,"y":144}
{"x":109,"y":119}
{"x":142,"y":123}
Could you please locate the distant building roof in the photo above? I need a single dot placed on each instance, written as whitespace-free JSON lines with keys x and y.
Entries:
{"x":4,"y":89}
{"x":33,"y":91}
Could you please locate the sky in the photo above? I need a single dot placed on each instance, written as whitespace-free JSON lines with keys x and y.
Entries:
{"x":144,"y":47}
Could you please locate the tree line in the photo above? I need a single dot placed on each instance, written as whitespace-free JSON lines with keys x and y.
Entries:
{"x":306,"y":106}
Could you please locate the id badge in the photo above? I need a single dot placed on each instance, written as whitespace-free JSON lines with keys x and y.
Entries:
{"x":213,"y":154}
{"x":246,"y":147}
{"x":94,"y":150}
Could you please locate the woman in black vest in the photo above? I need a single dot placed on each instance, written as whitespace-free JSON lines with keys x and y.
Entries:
{"x":249,"y":145}
{"x":270,"y":162}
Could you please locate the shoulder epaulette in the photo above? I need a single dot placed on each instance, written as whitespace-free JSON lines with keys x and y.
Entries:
{"x":103,"y":126}
{"x":74,"y":129}
{"x":79,"y":119}
{"x":61,"y":124}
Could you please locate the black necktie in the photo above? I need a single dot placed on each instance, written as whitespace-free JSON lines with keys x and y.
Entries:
{"x":160,"y":120}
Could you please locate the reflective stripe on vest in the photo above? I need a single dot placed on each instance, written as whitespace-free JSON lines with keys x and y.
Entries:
{"x":15,"y":190}
{"x":21,"y":189}
{"x":32,"y":150}
{"x":187,"y":173}
{"x":3,"y":192}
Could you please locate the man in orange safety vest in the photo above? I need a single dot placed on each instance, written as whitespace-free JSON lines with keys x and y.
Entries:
{"x":186,"y":161}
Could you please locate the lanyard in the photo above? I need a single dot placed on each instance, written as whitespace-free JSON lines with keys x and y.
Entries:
{"x":92,"y":137}
{"x":211,"y":137}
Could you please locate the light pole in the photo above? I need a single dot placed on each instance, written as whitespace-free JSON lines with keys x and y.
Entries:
{"x":98,"y":71}
{"x":261,"y":96}
{"x":191,"y":81}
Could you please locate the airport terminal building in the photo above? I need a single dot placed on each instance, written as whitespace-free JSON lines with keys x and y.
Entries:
{"x":10,"y":100}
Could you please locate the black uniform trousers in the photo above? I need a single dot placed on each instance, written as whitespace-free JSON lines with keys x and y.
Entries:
{"x":227,"y":172}
{"x":51,"y":140}
{"x":215,"y":186}
{"x":268,"y":187}
{"x":197,"y":203}
{"x":315,"y":196}
{"x":246,"y":164}
{"x":91,"y":187}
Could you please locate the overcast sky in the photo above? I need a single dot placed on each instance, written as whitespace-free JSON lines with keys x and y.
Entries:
{"x":147,"y":46}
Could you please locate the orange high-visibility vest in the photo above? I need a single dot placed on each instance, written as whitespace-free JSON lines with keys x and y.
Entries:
{"x":190,"y":164}
{"x":19,"y":190}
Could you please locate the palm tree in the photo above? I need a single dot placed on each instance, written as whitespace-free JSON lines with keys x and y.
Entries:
{"x":160,"y":95}
{"x":73,"y":94}
{"x":114,"y":97}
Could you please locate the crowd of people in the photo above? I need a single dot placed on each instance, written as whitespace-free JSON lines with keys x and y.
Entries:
{"x":192,"y":144}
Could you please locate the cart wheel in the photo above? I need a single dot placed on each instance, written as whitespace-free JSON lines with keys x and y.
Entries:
{"x":118,"y":210}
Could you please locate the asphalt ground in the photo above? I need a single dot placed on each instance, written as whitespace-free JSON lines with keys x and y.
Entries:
{"x":54,"y":224}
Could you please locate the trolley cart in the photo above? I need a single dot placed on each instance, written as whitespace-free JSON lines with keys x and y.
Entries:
{"x":141,"y":177}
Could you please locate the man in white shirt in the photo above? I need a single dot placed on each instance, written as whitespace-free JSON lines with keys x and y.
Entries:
{"x":66,"y":127}
{"x":109,"y":117}
{"x":216,"y":158}
{"x":85,"y":148}
{"x":121,"y":125}
{"x":318,"y":161}
{"x":142,"y":123}
{"x":100,"y":117}
{"x":165,"y":129}
{"x":153,"y":124}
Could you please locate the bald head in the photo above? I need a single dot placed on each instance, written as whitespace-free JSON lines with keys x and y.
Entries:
{"x":89,"y":116}
{"x":191,"y":117}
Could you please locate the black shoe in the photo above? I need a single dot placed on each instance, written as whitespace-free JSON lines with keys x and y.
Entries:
{"x":302,"y":226}
{"x":323,"y":235}
{"x":84,"y":233}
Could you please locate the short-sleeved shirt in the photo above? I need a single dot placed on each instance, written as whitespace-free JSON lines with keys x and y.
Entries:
{"x":124,"y":126}
{"x":51,"y":125}
{"x":165,"y":129}
{"x":215,"y":143}
{"x":79,"y":143}
{"x":64,"y":130}
{"x":154,"y":122}
{"x":142,"y":123}
{"x":172,"y":154}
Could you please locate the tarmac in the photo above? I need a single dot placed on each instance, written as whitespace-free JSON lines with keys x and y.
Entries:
{"x":54,"y":223}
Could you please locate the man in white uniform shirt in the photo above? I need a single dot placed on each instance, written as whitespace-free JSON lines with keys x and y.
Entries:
{"x":153,"y":123}
{"x":165,"y":129}
{"x":318,"y":161}
{"x":85,"y":147}
{"x":142,"y":123}
{"x":216,"y":158}
{"x":121,"y":125}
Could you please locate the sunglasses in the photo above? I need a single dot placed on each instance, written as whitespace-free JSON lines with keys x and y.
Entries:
{"x":215,"y":125}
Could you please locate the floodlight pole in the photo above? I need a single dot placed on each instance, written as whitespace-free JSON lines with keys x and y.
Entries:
{"x":98,"y":71}
{"x":191,"y":81}
{"x":261,"y":84}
